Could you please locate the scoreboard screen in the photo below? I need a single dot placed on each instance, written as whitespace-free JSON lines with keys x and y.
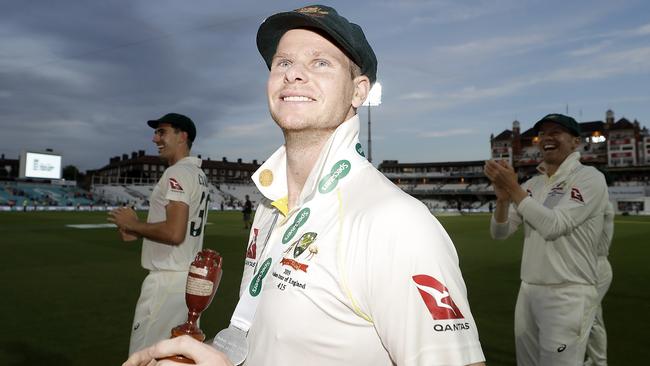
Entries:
{"x":40,"y":165}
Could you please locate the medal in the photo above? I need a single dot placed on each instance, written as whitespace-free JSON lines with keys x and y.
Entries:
{"x":232,"y":341}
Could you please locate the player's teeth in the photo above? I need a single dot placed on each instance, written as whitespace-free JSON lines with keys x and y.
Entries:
{"x":296,"y":99}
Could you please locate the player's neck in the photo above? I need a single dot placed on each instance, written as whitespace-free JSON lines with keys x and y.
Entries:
{"x":303,"y":149}
{"x":178,"y":156}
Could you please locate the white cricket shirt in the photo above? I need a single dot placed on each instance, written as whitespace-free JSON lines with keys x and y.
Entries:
{"x":367,"y":275}
{"x":563,"y":222}
{"x":184,"y":182}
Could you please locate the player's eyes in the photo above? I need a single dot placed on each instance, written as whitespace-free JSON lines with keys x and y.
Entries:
{"x":321,"y":63}
{"x":282,"y":63}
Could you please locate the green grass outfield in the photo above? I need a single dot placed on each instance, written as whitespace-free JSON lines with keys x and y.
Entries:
{"x":68,"y":295}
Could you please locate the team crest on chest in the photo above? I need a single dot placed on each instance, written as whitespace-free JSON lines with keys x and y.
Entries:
{"x":304,"y":245}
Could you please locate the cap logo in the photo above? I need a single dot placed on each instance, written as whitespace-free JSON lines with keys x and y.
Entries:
{"x":312,"y":10}
{"x":437,"y":298}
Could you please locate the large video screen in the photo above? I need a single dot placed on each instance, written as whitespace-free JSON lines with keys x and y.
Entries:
{"x":38,"y":165}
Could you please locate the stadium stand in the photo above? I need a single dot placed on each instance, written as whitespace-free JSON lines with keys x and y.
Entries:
{"x":44,"y":195}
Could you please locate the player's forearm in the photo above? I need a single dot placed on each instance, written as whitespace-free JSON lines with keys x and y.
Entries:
{"x":161,"y":232}
{"x":501,"y":211}
{"x":549,"y":223}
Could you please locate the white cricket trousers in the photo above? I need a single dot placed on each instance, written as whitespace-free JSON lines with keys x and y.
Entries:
{"x":597,"y":344}
{"x":160,"y":308}
{"x":552,"y":323}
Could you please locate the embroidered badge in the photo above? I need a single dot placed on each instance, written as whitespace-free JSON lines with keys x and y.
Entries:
{"x":266,"y":177}
{"x":313,"y":11}
{"x":305,"y":243}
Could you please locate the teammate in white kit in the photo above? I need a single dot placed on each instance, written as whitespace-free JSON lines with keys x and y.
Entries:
{"x":562,"y":210}
{"x":173,"y":233}
{"x":342,"y":268}
{"x":597,"y":344}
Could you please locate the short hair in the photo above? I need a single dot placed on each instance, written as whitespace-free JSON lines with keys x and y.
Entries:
{"x":355,"y":70}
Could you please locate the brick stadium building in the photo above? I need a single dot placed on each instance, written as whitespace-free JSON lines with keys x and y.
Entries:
{"x":139,"y":168}
{"x":621,"y":149}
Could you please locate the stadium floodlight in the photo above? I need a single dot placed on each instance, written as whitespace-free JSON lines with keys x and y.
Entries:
{"x":373,"y":100}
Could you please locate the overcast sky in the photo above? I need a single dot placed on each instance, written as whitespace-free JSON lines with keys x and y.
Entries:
{"x":82,"y":77}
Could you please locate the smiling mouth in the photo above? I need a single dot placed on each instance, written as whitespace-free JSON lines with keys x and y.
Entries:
{"x":297,"y":98}
{"x":160,"y":147}
{"x":549,"y":147}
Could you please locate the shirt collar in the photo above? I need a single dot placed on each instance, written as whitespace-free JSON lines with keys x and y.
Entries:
{"x":567,"y":166}
{"x":190,"y":160}
{"x":271,"y":177}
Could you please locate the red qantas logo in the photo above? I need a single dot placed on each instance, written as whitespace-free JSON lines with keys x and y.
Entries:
{"x":252,"y":247}
{"x":576,"y":195}
{"x":173,"y":183}
{"x":436,"y":297}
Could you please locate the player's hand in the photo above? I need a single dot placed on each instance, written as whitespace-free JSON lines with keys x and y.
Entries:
{"x":123,"y":217}
{"x":126,"y":235}
{"x":201,"y":353}
{"x":500,"y":174}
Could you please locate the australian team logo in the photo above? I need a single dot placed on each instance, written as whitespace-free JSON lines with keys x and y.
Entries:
{"x":300,"y":246}
{"x":251,"y":252}
{"x":313,"y":11}
{"x":174,"y":185}
{"x":437,"y":298}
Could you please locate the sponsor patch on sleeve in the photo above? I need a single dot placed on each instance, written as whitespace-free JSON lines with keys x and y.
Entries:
{"x":174,"y":185}
{"x":576,"y":195}
{"x":436,"y":297}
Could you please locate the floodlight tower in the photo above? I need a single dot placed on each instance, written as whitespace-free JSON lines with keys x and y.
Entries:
{"x":373,"y":100}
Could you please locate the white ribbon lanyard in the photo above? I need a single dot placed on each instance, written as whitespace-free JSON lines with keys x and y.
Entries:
{"x":232,"y":340}
{"x":242,"y":317}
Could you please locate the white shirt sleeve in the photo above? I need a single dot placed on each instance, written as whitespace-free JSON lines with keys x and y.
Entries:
{"x":178,"y":185}
{"x":416,"y":295}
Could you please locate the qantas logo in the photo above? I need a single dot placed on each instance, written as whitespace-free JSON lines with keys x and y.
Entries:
{"x":436,"y":297}
{"x":576,"y":195}
{"x":173,"y":183}
{"x":252,"y":247}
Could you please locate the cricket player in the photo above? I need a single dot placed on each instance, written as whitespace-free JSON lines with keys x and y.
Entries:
{"x":347,"y":268}
{"x":597,"y":344}
{"x":172,"y":235}
{"x":562,"y":210}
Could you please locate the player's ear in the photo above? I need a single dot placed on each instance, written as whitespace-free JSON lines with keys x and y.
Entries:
{"x":361,"y":90}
